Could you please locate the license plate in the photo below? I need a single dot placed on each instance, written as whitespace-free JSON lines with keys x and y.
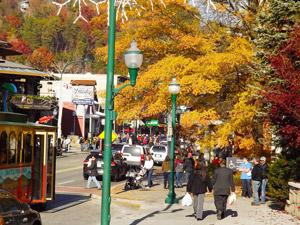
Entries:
{"x":158,"y":156}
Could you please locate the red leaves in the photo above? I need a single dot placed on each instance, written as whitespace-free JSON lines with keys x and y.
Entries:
{"x":21,"y":46}
{"x":284,"y":92}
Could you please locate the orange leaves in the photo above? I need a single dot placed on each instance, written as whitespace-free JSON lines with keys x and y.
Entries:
{"x":42,"y":59}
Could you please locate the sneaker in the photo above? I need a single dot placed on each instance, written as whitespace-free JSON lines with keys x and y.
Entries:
{"x":254,"y":204}
{"x":99,"y":188}
{"x":262,"y":202}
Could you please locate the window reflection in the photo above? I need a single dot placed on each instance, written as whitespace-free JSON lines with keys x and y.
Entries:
{"x":12,"y":148}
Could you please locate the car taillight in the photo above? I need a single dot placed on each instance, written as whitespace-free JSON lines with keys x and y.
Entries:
{"x":142,"y":158}
{"x":121,"y":154}
{"x":113,"y":164}
{"x":85,"y":161}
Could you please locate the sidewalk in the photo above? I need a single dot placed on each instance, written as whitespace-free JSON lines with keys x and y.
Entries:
{"x":146,"y":206}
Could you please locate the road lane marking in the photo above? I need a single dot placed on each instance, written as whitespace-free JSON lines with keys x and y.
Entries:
{"x":70,"y":181}
{"x":65,"y":170}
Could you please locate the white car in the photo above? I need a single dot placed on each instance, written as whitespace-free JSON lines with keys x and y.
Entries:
{"x":159,"y":153}
{"x":134,"y":155}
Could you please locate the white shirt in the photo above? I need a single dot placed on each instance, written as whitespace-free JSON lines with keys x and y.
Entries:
{"x":149,"y":164}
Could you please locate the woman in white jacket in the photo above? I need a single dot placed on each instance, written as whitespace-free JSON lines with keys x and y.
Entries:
{"x":149,"y":166}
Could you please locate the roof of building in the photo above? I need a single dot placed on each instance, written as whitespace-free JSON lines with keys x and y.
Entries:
{"x":8,"y":67}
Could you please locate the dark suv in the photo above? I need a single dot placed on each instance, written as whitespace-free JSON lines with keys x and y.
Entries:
{"x":119,"y":166}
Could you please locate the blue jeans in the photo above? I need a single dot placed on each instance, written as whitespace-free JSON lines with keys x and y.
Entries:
{"x":92,"y":178}
{"x":263,"y":190}
{"x":149,"y":174}
{"x":178,"y":178}
{"x":246,"y":188}
{"x":166,"y":178}
{"x":82,"y":146}
{"x":256,"y":185}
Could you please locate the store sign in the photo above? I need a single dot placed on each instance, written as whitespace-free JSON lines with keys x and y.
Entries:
{"x":82,"y":95}
{"x":152,"y":123}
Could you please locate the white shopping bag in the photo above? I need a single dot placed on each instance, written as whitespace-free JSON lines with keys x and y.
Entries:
{"x":232,"y":199}
{"x":187,"y":200}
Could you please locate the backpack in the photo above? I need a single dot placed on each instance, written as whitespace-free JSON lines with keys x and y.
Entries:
{"x":179,"y":167}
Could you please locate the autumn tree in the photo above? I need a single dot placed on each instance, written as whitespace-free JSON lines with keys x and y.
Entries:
{"x":211,"y":65}
{"x":42,"y":59}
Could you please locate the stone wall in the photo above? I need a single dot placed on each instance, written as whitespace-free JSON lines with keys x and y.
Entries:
{"x":293,"y":204}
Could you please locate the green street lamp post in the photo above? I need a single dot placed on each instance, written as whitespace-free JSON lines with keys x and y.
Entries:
{"x":133,"y":60}
{"x":60,"y":96}
{"x":174,"y":89}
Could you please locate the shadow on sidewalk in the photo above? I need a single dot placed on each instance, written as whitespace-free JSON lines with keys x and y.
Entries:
{"x":150,"y":215}
{"x":64,"y":201}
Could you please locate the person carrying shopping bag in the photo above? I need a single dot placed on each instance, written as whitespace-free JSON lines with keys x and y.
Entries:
{"x":92,"y":172}
{"x":197,"y":185}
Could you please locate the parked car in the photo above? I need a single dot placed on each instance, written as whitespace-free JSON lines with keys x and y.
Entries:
{"x":117,"y":147}
{"x":134,"y":155}
{"x":119,"y":166}
{"x":14,"y":212}
{"x":159,"y":153}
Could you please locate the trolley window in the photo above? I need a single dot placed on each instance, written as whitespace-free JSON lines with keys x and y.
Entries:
{"x":12,"y":148}
{"x":20,"y":148}
{"x":3,"y":148}
{"x":28,"y":149}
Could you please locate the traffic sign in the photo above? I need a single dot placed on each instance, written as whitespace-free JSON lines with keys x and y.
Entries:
{"x":113,"y":135}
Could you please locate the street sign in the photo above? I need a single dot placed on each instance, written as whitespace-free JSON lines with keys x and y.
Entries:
{"x":234,"y":163}
{"x":152,"y":123}
{"x":113,"y":135}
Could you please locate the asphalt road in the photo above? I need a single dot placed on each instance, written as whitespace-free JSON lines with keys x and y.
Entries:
{"x":71,"y":208}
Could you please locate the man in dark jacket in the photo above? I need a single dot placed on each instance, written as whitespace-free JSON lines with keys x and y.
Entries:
{"x":92,"y":172}
{"x":265,"y":169}
{"x":222,"y":181}
{"x":257,"y":174}
{"x":188,"y":166}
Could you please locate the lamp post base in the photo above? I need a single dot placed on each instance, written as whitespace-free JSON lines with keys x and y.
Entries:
{"x":171,"y":199}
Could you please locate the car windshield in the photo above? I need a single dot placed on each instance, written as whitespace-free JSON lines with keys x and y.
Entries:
{"x":159,"y":149}
{"x":162,"y":138}
{"x":117,"y":147}
{"x":134,"y":151}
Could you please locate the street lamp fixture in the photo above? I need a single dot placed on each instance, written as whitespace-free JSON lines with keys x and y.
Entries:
{"x":60,"y":95}
{"x":174,"y":89}
{"x":133,"y":60}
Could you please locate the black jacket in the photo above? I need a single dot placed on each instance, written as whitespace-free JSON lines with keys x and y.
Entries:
{"x":265,"y":169}
{"x":189,"y":164}
{"x":222,"y":181}
{"x":257,"y":173}
{"x":197,"y":186}
{"x":93,"y":168}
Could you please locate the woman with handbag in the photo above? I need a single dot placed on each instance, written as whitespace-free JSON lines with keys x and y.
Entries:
{"x":92,"y":172}
{"x":197,"y":185}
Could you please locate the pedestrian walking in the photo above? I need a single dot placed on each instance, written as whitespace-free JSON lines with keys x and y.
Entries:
{"x":222,"y":182}
{"x":257,"y":173}
{"x":166,"y":168}
{"x":178,"y":171}
{"x":67,"y":144}
{"x":188,"y":166}
{"x":198,"y":184}
{"x":149,"y":166}
{"x":245,"y":168}
{"x":81,"y":142}
{"x":265,"y":180}
{"x":92,"y":172}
